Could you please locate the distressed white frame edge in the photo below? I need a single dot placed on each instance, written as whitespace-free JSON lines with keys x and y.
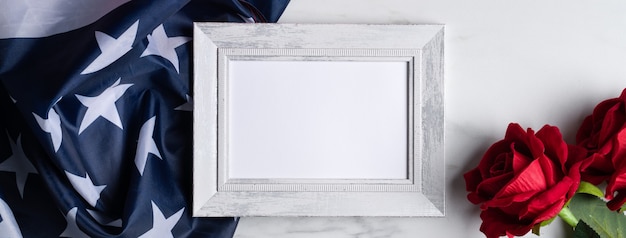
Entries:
{"x":203,"y":170}
{"x":207,"y":201}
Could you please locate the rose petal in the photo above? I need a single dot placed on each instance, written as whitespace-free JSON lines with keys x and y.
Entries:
{"x":598,"y":170}
{"x":604,"y":149}
{"x":535,"y":145}
{"x":617,"y":202}
{"x":513,"y":208}
{"x":472,"y":179}
{"x":541,"y":207}
{"x":507,"y":203}
{"x":616,"y":182}
{"x":530,"y":179}
{"x":488,"y":188}
{"x":597,"y":128}
{"x":574,"y":175}
{"x":493,"y":185}
{"x":491,"y":155}
{"x":514,"y":132}
{"x":497,"y":223}
{"x":548,"y":212}
{"x":612,"y":122}
{"x":576,"y":154}
{"x":500,"y":165}
{"x":520,"y":161}
{"x":551,"y":172}
{"x":619,"y":149}
{"x":555,"y":147}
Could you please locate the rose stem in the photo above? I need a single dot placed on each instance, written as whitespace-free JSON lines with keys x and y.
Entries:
{"x":568,"y":217}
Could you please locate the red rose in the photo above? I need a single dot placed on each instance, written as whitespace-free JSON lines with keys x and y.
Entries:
{"x":603,"y":134}
{"x":523,"y":180}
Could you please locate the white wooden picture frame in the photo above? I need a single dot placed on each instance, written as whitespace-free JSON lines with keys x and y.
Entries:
{"x":318,"y":120}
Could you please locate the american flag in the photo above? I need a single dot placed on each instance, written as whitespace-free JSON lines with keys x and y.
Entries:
{"x":96,"y":121}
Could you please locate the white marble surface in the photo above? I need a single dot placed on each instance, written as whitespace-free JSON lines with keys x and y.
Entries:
{"x":534,"y":62}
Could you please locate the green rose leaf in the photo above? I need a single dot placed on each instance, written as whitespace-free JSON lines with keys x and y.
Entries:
{"x":583,"y":230}
{"x":593,"y":211}
{"x":589,"y":188}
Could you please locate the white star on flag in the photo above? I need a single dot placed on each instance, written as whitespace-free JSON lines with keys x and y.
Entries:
{"x":161,"y":226}
{"x":18,"y":163}
{"x":103,"y":105}
{"x":162,"y":45}
{"x":8,"y":225}
{"x":86,"y":188}
{"x":112,"y":49}
{"x":51,"y":125}
{"x":146,"y":145}
{"x":72,"y":230}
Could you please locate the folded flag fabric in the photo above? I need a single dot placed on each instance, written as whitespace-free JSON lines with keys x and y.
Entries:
{"x":96,"y":121}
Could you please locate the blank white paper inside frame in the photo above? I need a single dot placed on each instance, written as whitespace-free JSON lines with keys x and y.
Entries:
{"x":318,"y":119}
